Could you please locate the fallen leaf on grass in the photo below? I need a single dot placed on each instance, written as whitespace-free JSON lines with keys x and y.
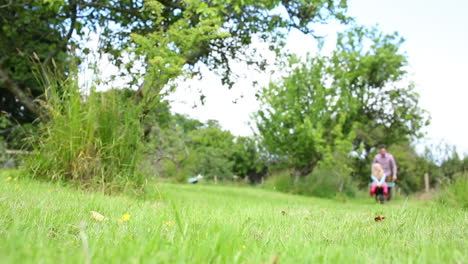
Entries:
{"x":379,"y":218}
{"x":327,"y":238}
{"x":97,"y":216}
{"x":274,"y":260}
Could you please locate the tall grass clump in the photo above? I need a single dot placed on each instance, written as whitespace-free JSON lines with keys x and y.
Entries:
{"x":92,"y":139}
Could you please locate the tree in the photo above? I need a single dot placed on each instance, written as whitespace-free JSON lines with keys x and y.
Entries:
{"x":185,"y":147}
{"x":29,"y":29}
{"x":247,"y":158}
{"x":356,"y":95}
{"x":155,"y":30}
{"x":168,"y":146}
{"x":375,"y":81}
{"x":210,"y":151}
{"x":298,"y":121}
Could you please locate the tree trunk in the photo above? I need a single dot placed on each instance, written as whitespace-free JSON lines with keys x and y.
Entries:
{"x":20,"y":95}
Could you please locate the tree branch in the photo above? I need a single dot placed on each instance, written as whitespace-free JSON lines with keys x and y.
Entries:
{"x":74,"y":11}
{"x":20,"y":95}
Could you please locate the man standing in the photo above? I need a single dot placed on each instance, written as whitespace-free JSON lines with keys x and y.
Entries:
{"x":389,"y":166}
{"x":387,"y":162}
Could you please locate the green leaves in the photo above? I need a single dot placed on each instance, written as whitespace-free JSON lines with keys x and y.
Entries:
{"x":165,"y":38}
{"x":330,"y":105}
{"x":167,"y":49}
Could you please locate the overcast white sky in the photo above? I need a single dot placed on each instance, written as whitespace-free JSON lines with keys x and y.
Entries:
{"x":436,"y":34}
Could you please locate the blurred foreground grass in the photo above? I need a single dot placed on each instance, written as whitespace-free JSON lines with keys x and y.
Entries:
{"x":47,"y":223}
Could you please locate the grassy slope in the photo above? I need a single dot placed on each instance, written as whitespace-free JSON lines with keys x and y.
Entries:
{"x":45,"y":223}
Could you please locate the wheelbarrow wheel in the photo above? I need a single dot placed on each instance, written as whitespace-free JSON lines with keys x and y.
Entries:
{"x":380,"y":198}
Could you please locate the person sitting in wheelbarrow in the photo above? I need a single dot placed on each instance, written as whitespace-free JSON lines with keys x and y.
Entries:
{"x":389,"y":166}
{"x":378,"y":180}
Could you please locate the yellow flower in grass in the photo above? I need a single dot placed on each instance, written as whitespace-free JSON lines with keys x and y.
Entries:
{"x":124,"y":218}
{"x":9,"y":179}
{"x":168,"y":223}
{"x":97,"y":216}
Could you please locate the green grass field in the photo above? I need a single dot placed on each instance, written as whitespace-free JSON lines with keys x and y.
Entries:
{"x":47,"y":223}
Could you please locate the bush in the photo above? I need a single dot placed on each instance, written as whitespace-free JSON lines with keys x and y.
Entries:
{"x":456,"y":194}
{"x":321,"y":182}
{"x":280,"y":181}
{"x":211,"y":163}
{"x":324,"y":182}
{"x":176,"y":170}
{"x":93,"y":140}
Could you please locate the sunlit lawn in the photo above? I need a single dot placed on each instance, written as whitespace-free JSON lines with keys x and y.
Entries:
{"x":47,"y":223}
